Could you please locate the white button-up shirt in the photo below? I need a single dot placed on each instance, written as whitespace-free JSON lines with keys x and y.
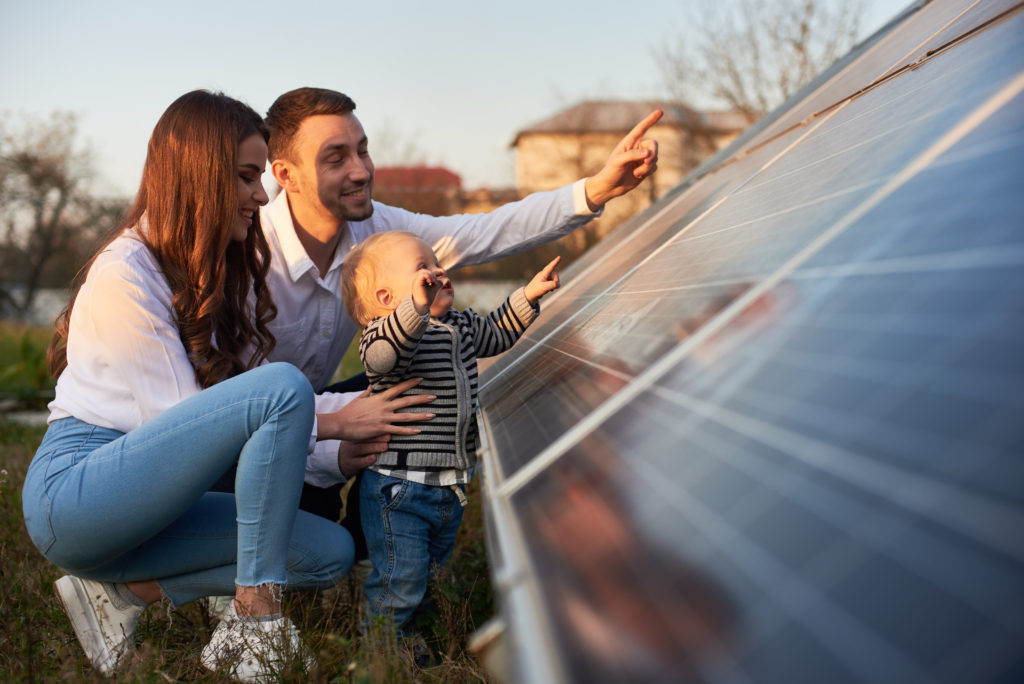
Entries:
{"x":312,"y":328}
{"x":126,"y":362}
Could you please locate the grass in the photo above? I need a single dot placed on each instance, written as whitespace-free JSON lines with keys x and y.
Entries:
{"x":25,"y":381}
{"x":37,"y":643}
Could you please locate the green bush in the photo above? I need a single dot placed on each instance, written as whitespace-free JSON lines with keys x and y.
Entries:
{"x":24,"y":375}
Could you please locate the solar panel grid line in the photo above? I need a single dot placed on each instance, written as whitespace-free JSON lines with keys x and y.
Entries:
{"x":819,"y":199}
{"x":873,"y":527}
{"x":680,"y":206}
{"x":510,"y":485}
{"x":850,"y":641}
{"x":899,"y":437}
{"x":869,"y":141}
{"x":980,"y":257}
{"x":669,"y":207}
{"x":891,"y":342}
{"x":915,"y":166}
{"x":971,"y":32}
{"x":553,"y":297}
{"x":748,"y":140}
{"x":977,"y":518}
{"x":571,"y":318}
{"x":771,"y":477}
{"x":909,"y":60}
{"x":856,"y":364}
{"x":983,"y":15}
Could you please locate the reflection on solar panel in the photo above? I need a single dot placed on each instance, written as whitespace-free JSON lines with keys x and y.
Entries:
{"x":773,"y":429}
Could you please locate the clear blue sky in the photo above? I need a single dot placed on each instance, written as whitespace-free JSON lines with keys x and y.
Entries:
{"x":455,"y":78}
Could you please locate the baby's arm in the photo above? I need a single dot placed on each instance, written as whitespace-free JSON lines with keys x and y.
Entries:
{"x":388,"y":343}
{"x":500,"y":329}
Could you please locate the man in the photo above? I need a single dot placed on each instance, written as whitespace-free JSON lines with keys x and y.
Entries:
{"x":319,"y":156}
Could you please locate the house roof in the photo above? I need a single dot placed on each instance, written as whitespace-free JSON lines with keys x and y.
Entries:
{"x":619,"y":116}
{"x":415,"y":178}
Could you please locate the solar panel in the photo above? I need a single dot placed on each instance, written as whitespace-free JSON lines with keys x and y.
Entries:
{"x":773,"y":429}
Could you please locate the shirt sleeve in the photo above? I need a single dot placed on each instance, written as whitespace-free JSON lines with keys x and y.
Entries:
{"x":322,"y":462}
{"x":468,"y":239}
{"x":389,"y":343}
{"x":500,"y":329}
{"x":131,"y":320}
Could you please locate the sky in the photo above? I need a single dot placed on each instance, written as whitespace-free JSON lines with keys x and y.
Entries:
{"x":452,"y":80}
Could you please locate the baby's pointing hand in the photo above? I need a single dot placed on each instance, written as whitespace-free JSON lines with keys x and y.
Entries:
{"x":543,"y":282}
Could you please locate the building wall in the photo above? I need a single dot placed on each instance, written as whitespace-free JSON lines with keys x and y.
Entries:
{"x":545,"y":161}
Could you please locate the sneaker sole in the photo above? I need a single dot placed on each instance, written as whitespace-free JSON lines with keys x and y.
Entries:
{"x":73,"y":597}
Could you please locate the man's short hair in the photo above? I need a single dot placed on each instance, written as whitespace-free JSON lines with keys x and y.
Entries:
{"x":289,"y":111}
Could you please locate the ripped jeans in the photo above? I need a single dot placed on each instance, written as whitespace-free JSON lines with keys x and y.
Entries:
{"x":122,"y":507}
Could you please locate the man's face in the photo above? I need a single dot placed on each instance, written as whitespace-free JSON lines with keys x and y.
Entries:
{"x":333,"y":166}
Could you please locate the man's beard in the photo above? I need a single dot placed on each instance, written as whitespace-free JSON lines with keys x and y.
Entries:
{"x":344,"y":212}
{"x":362,"y":215}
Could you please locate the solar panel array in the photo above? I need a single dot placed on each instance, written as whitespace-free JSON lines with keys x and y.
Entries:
{"x":772,"y":430}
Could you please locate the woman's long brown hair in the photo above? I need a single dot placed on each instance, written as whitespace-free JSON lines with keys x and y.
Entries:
{"x":186,"y":206}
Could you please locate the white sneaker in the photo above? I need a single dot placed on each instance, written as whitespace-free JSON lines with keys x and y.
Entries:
{"x":361,"y":570}
{"x":221,"y":607}
{"x":106,"y":633}
{"x":253,"y":651}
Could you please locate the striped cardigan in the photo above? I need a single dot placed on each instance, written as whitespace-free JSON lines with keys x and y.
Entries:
{"x":442,"y":351}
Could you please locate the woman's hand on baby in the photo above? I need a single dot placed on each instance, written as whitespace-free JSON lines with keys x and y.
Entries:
{"x":543,"y":282}
{"x":425,"y":286}
{"x":368,"y":416}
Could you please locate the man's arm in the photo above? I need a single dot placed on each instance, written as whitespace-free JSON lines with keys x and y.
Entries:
{"x":537,"y":219}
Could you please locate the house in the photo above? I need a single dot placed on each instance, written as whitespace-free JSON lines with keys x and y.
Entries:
{"x":575,"y":143}
{"x":430,"y":190}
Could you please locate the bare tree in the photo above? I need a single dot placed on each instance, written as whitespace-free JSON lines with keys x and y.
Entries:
{"x":750,"y":55}
{"x":390,"y":147}
{"x":48,"y":219}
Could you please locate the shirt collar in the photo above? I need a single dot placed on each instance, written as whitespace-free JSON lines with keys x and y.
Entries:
{"x":294,"y":253}
{"x":295,"y":257}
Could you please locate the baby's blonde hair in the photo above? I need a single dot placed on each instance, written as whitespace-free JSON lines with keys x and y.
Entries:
{"x":359,"y":275}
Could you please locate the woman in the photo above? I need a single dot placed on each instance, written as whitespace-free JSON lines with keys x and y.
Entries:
{"x":158,"y":394}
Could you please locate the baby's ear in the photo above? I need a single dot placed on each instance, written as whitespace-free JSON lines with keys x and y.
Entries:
{"x":384,"y":298}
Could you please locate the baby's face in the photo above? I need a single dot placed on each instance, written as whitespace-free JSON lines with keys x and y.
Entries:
{"x":403,"y":260}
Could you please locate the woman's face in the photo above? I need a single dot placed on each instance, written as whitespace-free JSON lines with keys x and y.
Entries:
{"x":252,"y":161}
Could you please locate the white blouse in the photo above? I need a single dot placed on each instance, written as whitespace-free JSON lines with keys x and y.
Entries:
{"x":126,"y":362}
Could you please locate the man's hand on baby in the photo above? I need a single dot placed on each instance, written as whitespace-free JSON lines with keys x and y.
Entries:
{"x":354,"y":456}
{"x":543,"y":282}
{"x":425,"y":286}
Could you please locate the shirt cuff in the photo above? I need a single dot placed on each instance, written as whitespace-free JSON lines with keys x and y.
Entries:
{"x":579,"y":200}
{"x":322,"y":464}
{"x":312,"y":438}
{"x":525,"y":311}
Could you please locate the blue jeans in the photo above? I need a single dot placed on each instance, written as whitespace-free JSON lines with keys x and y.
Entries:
{"x":410,"y":530}
{"x":121,"y":507}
